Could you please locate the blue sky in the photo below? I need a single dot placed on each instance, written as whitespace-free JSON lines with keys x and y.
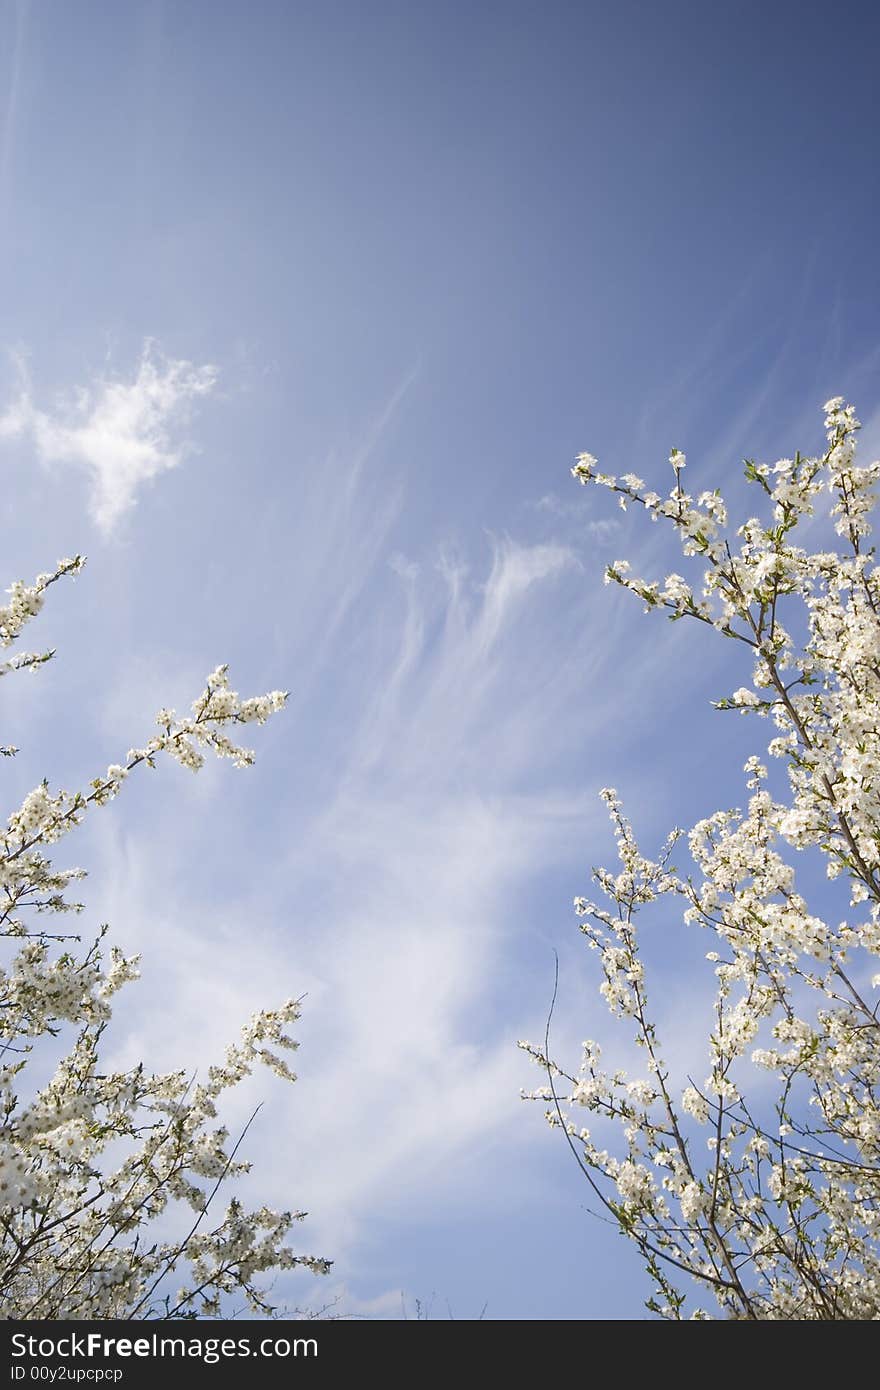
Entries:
{"x":431,"y":252}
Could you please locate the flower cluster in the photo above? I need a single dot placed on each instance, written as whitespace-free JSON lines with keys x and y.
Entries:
{"x":25,"y":602}
{"x":758,"y":1179}
{"x":91,"y":1158}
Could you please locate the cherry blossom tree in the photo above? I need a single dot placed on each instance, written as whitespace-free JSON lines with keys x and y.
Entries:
{"x":756,"y":1179}
{"x":108,"y":1179}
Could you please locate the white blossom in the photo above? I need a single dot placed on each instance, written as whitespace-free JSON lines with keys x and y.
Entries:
{"x":92,"y":1158}
{"x":777,"y":1192}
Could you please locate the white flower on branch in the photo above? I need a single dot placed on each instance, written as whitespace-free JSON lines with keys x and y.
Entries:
{"x":91,"y":1158}
{"x":778,"y":1207}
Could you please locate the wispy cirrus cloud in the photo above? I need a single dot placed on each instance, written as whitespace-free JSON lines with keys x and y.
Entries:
{"x":15,"y":49}
{"x":424,"y":792}
{"x":121,"y":431}
{"x":575,"y":513}
{"x":398,"y":887}
{"x":422,"y":795}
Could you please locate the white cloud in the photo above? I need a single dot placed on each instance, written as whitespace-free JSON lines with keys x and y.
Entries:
{"x":18,"y":23}
{"x":122,"y":432}
{"x":558,"y":506}
{"x":392,"y":910}
{"x":603,"y":530}
{"x":575,"y":513}
{"x":430,"y":793}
